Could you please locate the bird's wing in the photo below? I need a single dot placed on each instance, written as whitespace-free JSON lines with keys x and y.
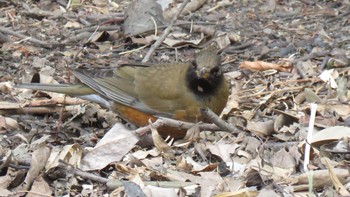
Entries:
{"x":118,"y":86}
{"x":163,"y":87}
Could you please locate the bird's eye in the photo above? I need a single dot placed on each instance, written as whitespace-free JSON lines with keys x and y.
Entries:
{"x":214,"y":70}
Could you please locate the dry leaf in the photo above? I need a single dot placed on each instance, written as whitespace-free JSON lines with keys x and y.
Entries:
{"x":261,"y":128}
{"x":247,"y":192}
{"x":182,"y":164}
{"x":261,"y":66}
{"x":71,"y":154}
{"x":40,"y":186}
{"x":321,"y":179}
{"x":8,"y":123}
{"x":329,"y":77}
{"x":330,"y":134}
{"x":224,"y":151}
{"x":160,"y":144}
{"x":118,"y":141}
{"x":336,"y":182}
{"x":39,"y":159}
{"x":159,"y":192}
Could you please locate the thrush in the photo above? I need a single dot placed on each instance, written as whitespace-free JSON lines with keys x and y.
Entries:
{"x":140,"y":92}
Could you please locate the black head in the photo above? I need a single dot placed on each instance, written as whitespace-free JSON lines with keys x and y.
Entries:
{"x":205,"y":75}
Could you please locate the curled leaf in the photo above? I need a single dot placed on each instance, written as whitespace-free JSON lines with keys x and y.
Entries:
{"x":261,"y":66}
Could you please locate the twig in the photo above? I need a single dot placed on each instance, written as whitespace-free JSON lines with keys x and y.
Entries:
{"x":211,"y":31}
{"x":219,"y":5}
{"x":35,"y":110}
{"x":33,"y":40}
{"x":238,"y":47}
{"x":310,"y":56}
{"x":89,"y":176}
{"x":218,"y":122}
{"x":90,"y":37}
{"x":93,"y":28}
{"x":77,"y":37}
{"x":113,"y":184}
{"x":301,"y":71}
{"x":55,"y":101}
{"x":85,"y":175}
{"x":308,"y":2}
{"x":273,"y":92}
{"x":178,"y":23}
{"x":190,"y":8}
{"x":324,"y":62}
{"x":279,"y":145}
{"x":339,"y":16}
{"x":165,"y":33}
{"x":133,"y":50}
{"x":281,"y":83}
{"x":175,"y":124}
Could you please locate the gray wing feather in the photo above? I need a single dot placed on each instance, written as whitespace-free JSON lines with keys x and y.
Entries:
{"x":118,"y":89}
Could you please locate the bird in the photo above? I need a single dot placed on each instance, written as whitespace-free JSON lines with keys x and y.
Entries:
{"x":139,"y":92}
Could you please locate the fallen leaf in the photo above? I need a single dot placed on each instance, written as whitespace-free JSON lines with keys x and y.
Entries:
{"x":40,"y":186}
{"x":118,"y":141}
{"x":265,"y":128}
{"x":71,"y":154}
{"x":160,"y":144}
{"x":336,"y":182}
{"x":261,"y":66}
{"x":39,"y":159}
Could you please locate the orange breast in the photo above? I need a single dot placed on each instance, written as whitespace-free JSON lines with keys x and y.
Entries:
{"x":134,"y":116}
{"x":140,"y":119}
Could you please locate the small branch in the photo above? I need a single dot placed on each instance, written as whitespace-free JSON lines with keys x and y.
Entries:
{"x":180,"y":23}
{"x":273,"y":92}
{"x":83,"y":174}
{"x":310,"y":56}
{"x":212,"y":31}
{"x":113,"y":184}
{"x":238,"y":47}
{"x":93,"y":28}
{"x":279,"y":145}
{"x":36,"y":110}
{"x":301,"y":71}
{"x":190,"y":8}
{"x":175,"y":124}
{"x":324,"y":62}
{"x":33,"y":40}
{"x":219,"y":122}
{"x":165,"y":33}
{"x":340,"y":16}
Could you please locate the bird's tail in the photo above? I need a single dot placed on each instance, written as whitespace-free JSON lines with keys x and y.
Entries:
{"x":78,"y":90}
{"x":72,"y":90}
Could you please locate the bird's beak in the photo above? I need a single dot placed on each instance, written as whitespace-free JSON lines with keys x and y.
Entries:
{"x":203,"y":73}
